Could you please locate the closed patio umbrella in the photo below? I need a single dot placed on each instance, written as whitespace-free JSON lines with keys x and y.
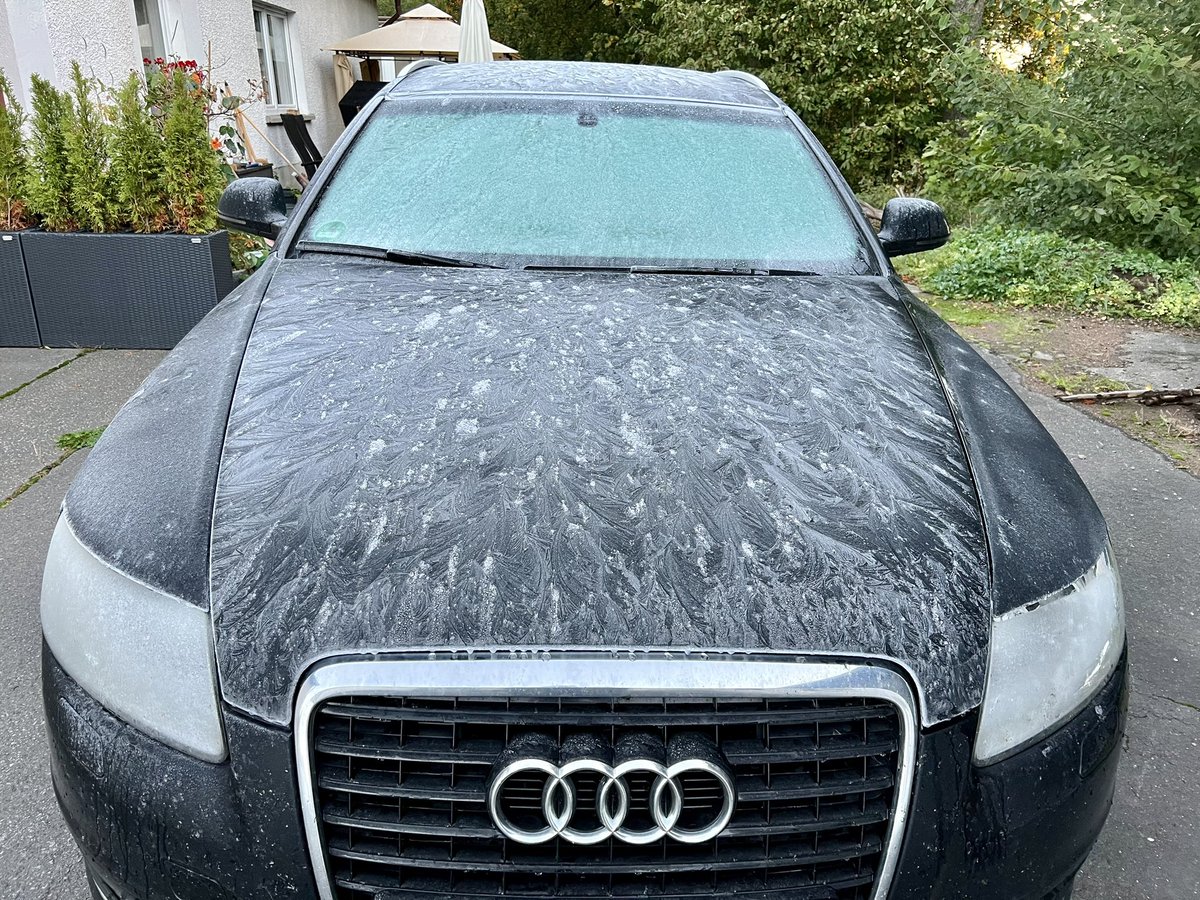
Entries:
{"x":475,"y":42}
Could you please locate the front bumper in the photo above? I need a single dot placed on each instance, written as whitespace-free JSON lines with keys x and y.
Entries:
{"x":155,"y":824}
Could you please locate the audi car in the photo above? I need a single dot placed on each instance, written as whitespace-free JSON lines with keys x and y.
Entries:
{"x":576,"y":503}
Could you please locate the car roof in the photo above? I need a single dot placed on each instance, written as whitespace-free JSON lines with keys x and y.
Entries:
{"x":587,"y":78}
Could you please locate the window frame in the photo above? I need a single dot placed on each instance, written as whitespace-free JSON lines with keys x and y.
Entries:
{"x":262,"y":13}
{"x":156,"y":23}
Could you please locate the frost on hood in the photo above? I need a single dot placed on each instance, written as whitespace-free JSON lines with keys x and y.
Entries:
{"x":459,"y":458}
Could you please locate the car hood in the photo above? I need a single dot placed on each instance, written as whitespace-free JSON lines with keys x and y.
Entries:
{"x":420,"y":457}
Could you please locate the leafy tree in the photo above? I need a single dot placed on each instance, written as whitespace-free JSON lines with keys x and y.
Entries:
{"x":1039,"y":31}
{"x":14,"y":212}
{"x":568,"y":29}
{"x":92,"y":197}
{"x":860,"y":75}
{"x":388,"y":7}
{"x":48,"y":186}
{"x":137,"y":160}
{"x":191,"y":172}
{"x":1104,"y":144}
{"x":547,"y":29}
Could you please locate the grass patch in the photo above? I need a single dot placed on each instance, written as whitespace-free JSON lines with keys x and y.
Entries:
{"x":50,"y":371}
{"x":79,"y":440}
{"x":70,"y":444}
{"x":1015,"y":267}
{"x":989,"y":324}
{"x":958,"y":312}
{"x":1078,"y":382}
{"x":1166,"y":430}
{"x":1162,"y":432}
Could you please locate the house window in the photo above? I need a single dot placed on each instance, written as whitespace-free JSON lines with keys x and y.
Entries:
{"x":275,"y":57}
{"x":150,"y":28}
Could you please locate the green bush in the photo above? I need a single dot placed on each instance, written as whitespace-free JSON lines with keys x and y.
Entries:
{"x":247,"y":251}
{"x":861,"y":75}
{"x":1036,"y":268}
{"x":14,"y":212}
{"x":92,"y":194}
{"x":49,"y":187}
{"x":192,"y":173}
{"x":1104,"y":142}
{"x":146,"y":162}
{"x":137,"y":161}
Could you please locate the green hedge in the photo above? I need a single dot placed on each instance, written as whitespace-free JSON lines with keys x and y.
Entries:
{"x":1036,"y":268}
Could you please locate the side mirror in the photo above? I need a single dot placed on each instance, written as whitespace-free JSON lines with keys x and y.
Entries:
{"x":911,"y":225}
{"x":255,"y":206}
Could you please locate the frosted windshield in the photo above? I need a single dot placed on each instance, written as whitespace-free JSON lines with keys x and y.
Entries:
{"x":587,"y":183}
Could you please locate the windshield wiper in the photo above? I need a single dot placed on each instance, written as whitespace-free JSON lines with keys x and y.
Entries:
{"x":404,"y":257}
{"x":714,"y":270}
{"x":341,"y":249}
{"x":673,"y":270}
{"x":414,"y":258}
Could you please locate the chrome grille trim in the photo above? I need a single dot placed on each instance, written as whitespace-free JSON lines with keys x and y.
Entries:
{"x":603,"y":675}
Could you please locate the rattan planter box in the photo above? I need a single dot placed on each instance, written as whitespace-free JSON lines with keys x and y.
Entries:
{"x":134,"y":291}
{"x":18,"y":324}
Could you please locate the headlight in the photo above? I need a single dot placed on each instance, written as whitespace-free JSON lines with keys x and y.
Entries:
{"x":144,"y":655}
{"x":1048,"y":658}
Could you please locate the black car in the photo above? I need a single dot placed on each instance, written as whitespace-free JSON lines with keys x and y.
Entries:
{"x":577,"y":504}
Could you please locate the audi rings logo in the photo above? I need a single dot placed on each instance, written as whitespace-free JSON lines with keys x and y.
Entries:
{"x":637,"y":792}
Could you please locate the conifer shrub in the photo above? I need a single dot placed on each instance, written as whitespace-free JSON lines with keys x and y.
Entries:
{"x":14,"y":163}
{"x":47,"y":188}
{"x":91,"y":190}
{"x":141,"y":159}
{"x":137,"y":150}
{"x":192,"y":175}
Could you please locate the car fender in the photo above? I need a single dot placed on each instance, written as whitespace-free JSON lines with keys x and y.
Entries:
{"x":1043,"y":528}
{"x":143,"y":499}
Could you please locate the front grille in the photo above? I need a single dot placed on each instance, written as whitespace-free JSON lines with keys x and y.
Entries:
{"x":400,"y":788}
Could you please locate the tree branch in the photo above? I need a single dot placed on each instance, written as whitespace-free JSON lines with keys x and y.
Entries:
{"x":1147,"y":397}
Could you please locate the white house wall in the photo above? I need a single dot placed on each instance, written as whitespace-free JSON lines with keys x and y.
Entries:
{"x":320,"y":23}
{"x":44,"y":36}
{"x":24,"y":44}
{"x":102,"y":35}
{"x":314,"y":24}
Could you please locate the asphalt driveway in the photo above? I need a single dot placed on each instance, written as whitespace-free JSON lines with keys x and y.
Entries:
{"x":1149,"y":850}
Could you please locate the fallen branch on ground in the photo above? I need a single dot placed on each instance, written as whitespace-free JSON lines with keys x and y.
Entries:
{"x":1148,"y":397}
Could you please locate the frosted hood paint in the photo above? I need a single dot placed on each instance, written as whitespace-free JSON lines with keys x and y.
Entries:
{"x":471,"y":458}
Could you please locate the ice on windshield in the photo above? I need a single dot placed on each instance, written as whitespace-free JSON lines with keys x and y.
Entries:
{"x":632,"y":183}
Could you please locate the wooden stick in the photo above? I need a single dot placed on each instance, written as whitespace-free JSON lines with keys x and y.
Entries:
{"x":873,"y":214}
{"x":1149,"y":397}
{"x":239,"y":122}
{"x":300,"y":176}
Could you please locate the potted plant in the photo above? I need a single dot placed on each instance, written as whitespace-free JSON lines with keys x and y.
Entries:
{"x":18,"y":324}
{"x":128,"y":253}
